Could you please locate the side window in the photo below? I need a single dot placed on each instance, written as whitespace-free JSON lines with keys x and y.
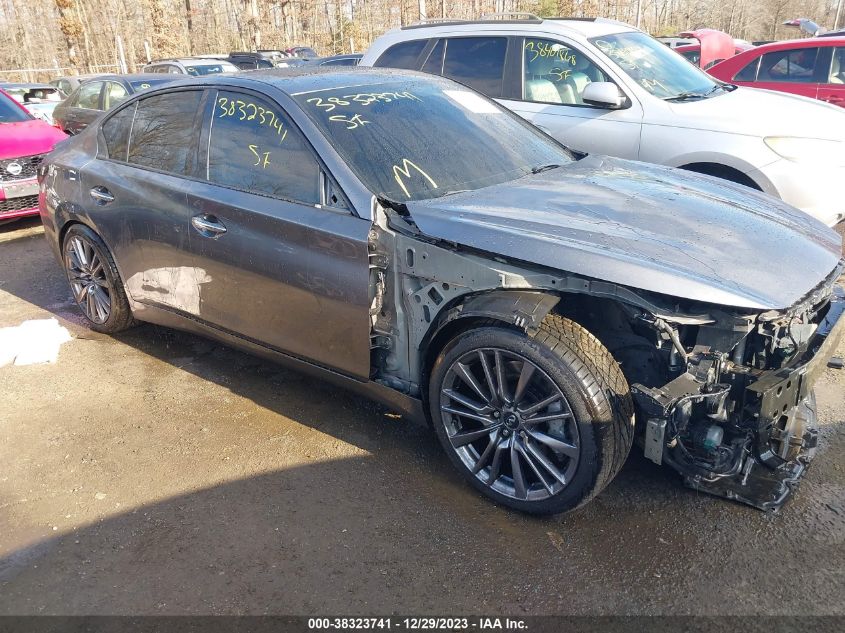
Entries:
{"x":434,"y":63}
{"x":749,"y":73}
{"x":402,"y":55}
{"x":115,"y":94}
{"x":163,"y":134}
{"x":794,"y":66}
{"x":556,"y":73}
{"x":479,"y":62}
{"x":174,"y":70}
{"x":837,"y":67}
{"x":116,"y":133}
{"x":254,"y":147}
{"x":89,"y":95}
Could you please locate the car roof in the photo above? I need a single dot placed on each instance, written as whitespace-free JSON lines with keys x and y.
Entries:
{"x":300,"y":79}
{"x":801,"y":43}
{"x":131,"y":77}
{"x":583,"y":27}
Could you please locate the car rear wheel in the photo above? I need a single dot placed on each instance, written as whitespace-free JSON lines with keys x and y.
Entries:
{"x":94,"y":281}
{"x":540,"y":424}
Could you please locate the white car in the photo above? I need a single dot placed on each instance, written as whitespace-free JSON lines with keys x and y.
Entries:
{"x":193,"y":66}
{"x":600,"y":86}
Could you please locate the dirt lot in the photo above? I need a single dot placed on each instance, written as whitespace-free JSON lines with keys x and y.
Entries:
{"x":158,"y":473}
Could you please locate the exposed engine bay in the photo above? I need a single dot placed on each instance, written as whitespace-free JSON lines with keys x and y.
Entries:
{"x":738,"y":418}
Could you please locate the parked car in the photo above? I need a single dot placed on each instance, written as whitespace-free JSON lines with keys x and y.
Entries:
{"x":71,"y":82}
{"x":39,"y":99}
{"x":194,"y":66}
{"x":24,"y":140}
{"x":711,"y":48}
{"x":403,"y":235}
{"x":351,"y":59}
{"x":605,"y":87}
{"x":93,"y":97}
{"x":305,"y":52}
{"x":249,"y":61}
{"x":810,"y":67}
{"x":292,"y":62}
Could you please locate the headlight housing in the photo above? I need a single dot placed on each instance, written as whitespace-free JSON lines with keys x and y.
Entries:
{"x":814,"y":151}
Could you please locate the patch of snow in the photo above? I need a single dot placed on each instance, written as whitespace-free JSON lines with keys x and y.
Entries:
{"x":32,"y":342}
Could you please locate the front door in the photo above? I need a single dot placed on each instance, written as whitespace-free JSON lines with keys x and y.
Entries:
{"x":280,"y":268}
{"x":554,"y":76}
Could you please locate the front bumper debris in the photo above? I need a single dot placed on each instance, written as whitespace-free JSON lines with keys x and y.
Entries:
{"x":772,"y":425}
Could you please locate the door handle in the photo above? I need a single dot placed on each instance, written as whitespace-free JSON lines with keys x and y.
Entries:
{"x":208,"y":226}
{"x":102,"y":195}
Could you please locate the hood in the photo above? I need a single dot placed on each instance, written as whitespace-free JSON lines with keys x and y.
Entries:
{"x":27,"y":138}
{"x":756,"y":112}
{"x":645,"y":226}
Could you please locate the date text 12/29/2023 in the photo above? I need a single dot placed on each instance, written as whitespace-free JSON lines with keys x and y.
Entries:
{"x":478,"y":623}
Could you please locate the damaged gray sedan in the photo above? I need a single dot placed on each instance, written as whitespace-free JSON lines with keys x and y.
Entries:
{"x":404,"y":236}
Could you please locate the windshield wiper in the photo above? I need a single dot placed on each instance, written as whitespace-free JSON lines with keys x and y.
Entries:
{"x":684,"y":96}
{"x":693,"y":95}
{"x":542,"y":168}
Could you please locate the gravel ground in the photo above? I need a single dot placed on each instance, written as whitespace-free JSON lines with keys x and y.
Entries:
{"x":159,"y":473}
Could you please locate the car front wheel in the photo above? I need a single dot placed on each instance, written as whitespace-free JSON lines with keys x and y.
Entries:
{"x":540,"y":424}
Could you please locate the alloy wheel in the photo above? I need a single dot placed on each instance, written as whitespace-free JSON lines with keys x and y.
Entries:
{"x":510,"y":424}
{"x":87,"y":276}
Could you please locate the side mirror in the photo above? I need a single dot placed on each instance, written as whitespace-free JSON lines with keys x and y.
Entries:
{"x":604,"y":94}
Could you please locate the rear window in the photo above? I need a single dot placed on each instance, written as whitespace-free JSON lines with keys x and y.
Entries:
{"x":209,"y":69}
{"x":11,"y":112}
{"x":403,"y":55}
{"x":749,"y":73}
{"x":478,"y":62}
{"x":116,"y":133}
{"x":163,"y":133}
{"x":143,"y":84}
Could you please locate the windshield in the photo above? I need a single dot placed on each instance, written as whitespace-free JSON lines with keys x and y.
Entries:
{"x":210,"y":69}
{"x":655,"y":66}
{"x":426,"y":138}
{"x":11,"y":112}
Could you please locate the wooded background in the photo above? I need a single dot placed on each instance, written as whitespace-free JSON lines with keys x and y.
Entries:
{"x":64,"y":36}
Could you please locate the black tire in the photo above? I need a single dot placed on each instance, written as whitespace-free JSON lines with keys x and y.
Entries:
{"x":119,"y":316}
{"x":571,"y":360}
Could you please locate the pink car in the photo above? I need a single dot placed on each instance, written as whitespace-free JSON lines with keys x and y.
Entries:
{"x":24,"y":140}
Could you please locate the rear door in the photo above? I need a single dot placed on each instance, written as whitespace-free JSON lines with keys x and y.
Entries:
{"x":137,"y":196}
{"x":281,"y":265}
{"x":833,"y":89}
